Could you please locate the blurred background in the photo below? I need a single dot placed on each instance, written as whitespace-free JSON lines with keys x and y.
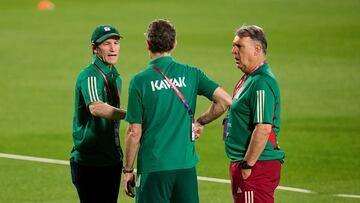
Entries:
{"x":313,"y":49}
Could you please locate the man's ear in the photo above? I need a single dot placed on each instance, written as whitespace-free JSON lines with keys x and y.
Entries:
{"x":147,"y":43}
{"x":258,"y":49}
{"x":93,"y":47}
{"x":174,"y":46}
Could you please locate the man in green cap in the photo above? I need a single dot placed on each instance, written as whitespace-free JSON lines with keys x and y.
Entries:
{"x":96,"y":158}
{"x":162,"y":128}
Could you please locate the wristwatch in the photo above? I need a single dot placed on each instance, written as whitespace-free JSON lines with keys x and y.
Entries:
{"x":200,"y":121}
{"x":128,"y":170}
{"x":244,"y":165}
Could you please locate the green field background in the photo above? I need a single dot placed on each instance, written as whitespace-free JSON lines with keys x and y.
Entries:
{"x":314,"y":50}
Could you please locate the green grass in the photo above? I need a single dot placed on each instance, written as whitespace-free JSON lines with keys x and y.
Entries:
{"x":313,"y":50}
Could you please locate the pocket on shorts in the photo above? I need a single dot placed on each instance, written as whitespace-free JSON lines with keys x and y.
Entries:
{"x":254,"y":168}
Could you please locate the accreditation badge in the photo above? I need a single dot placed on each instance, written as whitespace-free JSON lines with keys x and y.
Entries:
{"x":193,"y":136}
{"x":116,"y":135}
{"x":225,"y":124}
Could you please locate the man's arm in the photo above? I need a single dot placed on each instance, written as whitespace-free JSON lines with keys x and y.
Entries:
{"x":132,"y":143}
{"x":221,"y":102}
{"x":257,"y":145}
{"x":104,"y":110}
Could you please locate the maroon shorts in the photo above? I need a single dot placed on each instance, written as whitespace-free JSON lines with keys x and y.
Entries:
{"x":259,"y":187}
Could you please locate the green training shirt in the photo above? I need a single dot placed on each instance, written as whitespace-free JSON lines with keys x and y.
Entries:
{"x":96,"y":140}
{"x":258,"y":101}
{"x":166,"y":125}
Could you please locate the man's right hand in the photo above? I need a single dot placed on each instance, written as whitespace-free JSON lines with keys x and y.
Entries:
{"x":129,"y":184}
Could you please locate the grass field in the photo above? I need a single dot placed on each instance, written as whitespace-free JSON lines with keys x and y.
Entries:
{"x":313,"y":50}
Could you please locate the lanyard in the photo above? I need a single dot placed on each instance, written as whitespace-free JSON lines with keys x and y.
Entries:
{"x":115,"y":122}
{"x":241,"y":82}
{"x":177,"y":91}
{"x":181,"y":96}
{"x":107,"y":84}
{"x":238,"y":86}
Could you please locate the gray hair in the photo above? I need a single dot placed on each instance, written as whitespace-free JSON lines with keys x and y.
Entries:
{"x":255,"y":32}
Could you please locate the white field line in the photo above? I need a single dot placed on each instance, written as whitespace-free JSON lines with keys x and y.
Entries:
{"x":216,"y":180}
{"x":292,"y":189}
{"x":348,"y":196}
{"x":36,"y":159}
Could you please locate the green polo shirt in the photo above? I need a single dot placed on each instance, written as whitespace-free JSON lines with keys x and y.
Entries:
{"x":258,"y":101}
{"x":96,"y":141}
{"x":166,"y":125}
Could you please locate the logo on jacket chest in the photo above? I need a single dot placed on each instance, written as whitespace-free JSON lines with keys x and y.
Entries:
{"x":163,"y":84}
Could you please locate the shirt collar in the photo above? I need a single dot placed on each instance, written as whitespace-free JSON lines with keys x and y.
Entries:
{"x":102,"y":65}
{"x":262,"y":68}
{"x":161,"y":60}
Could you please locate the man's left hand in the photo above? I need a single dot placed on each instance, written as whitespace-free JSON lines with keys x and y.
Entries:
{"x":198,"y":129}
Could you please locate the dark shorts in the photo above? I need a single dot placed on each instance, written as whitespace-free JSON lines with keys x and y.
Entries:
{"x":96,"y":184}
{"x":259,"y":187}
{"x":178,"y":186}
